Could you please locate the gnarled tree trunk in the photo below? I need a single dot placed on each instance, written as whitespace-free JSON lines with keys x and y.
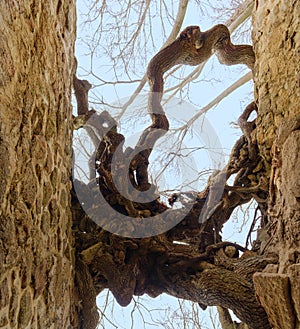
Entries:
{"x":202,"y":270}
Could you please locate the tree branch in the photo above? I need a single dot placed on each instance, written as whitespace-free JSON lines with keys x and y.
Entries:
{"x":244,"y":79}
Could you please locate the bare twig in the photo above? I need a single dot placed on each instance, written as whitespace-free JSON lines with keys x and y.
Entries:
{"x":244,"y":79}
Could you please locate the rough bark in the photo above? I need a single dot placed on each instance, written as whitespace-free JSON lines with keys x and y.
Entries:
{"x":36,"y":255}
{"x":277,"y":46}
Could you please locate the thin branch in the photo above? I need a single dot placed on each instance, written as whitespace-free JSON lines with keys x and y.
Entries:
{"x":243,"y":12}
{"x":244,"y":79}
{"x":176,"y":29}
{"x":182,"y":7}
{"x":189,"y":78}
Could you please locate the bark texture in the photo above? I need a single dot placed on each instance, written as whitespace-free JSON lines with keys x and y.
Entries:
{"x":37,"y":261}
{"x":276,"y":35}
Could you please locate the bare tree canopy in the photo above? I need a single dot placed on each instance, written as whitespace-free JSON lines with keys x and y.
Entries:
{"x":202,"y":254}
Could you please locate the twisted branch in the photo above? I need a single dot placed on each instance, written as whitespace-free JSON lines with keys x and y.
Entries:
{"x":192,"y":47}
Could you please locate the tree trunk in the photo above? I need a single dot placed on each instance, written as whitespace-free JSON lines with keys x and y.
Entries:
{"x":277,"y":79}
{"x":36,"y":70}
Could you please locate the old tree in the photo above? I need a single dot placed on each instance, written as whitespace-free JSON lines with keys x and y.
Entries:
{"x":55,"y":259}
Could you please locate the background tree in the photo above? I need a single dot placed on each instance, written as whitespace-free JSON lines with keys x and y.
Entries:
{"x":37,"y":282}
